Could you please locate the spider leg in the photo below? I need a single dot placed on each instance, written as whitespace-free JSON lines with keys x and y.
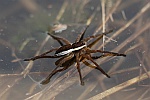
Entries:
{"x":108,"y":52}
{"x":39,"y":57}
{"x":95,"y":41}
{"x":64,"y":59}
{"x":88,"y":57}
{"x":80,"y":36}
{"x":59,"y":38}
{"x":62,"y":62}
{"x":58,"y":41}
{"x":88,"y":64}
{"x":101,"y":56}
{"x":78,"y":68}
{"x":43,"y":55}
{"x":94,"y":57}
{"x":47,"y":80}
{"x":97,"y":57}
{"x":98,"y":35}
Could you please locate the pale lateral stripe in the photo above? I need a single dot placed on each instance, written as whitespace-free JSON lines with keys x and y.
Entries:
{"x":69,"y":51}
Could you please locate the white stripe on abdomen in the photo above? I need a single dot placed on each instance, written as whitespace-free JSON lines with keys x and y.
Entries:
{"x":69,"y":51}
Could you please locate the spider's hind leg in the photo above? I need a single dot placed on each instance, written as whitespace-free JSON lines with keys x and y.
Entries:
{"x":64,"y":62}
{"x":107,"y":52}
{"x":106,"y":55}
{"x":88,"y":57}
{"x":47,"y":80}
{"x":78,"y":68}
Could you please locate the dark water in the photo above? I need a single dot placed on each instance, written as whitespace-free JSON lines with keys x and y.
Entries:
{"x":23,"y":26}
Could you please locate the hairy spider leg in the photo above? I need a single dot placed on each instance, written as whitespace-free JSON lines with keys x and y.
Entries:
{"x":62,"y":61}
{"x":80,"y":36}
{"x":78,"y":68}
{"x":111,"y":53}
{"x":96,"y":57}
{"x":101,"y":56}
{"x":95,"y":41}
{"x":87,"y":64}
{"x":88,"y":57}
{"x":43,"y":55}
{"x":98,"y":35}
{"x":59,"y":38}
{"x":104,"y":55}
{"x":47,"y":79}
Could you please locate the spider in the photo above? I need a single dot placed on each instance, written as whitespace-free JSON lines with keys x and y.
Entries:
{"x":70,"y":53}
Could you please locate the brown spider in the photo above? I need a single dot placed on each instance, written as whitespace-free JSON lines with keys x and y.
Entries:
{"x":74,"y":52}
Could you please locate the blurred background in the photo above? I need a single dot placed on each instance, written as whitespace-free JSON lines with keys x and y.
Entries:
{"x":23,"y":27}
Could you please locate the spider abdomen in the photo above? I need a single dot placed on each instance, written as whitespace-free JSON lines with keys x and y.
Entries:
{"x":66,"y":49}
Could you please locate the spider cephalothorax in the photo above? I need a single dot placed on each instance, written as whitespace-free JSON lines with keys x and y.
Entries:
{"x":76,"y":52}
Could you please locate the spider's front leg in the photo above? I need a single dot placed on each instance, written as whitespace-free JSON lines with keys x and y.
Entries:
{"x":98,"y":35}
{"x":59,"y":39}
{"x":80,"y":36}
{"x":43,"y":55}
